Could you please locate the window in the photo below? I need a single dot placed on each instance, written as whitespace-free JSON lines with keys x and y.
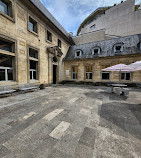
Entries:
{"x":78,"y":53}
{"x":74,"y":72}
{"x":125,"y":76}
{"x":49,"y":36}
{"x":33,"y":61}
{"x":33,"y":26}
{"x":96,"y":51}
{"x":33,"y":53}
{"x":92,"y":27}
{"x":118,"y":48}
{"x":59,"y":43}
{"x":6,"y":45}
{"x":6,"y":7}
{"x":6,"y":68}
{"x":105,"y":75}
{"x":89,"y":73}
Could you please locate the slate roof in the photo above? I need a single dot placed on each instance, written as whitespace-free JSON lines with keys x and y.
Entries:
{"x":43,"y":9}
{"x":130,"y":46}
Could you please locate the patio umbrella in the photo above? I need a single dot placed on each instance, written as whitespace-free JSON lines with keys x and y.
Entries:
{"x":132,"y":67}
{"x":117,"y":67}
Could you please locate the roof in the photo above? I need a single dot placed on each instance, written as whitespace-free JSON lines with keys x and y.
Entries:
{"x":48,"y":15}
{"x":92,"y":15}
{"x":107,"y":48}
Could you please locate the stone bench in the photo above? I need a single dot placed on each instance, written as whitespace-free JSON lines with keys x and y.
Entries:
{"x":6,"y":90}
{"x":125,"y":91}
{"x":28,"y":86}
{"x":117,"y":90}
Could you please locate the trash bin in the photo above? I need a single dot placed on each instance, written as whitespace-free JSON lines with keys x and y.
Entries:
{"x":42,"y":86}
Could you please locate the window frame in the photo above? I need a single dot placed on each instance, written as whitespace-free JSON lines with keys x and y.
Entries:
{"x":125,"y":73}
{"x":88,"y":73}
{"x":31,"y":31}
{"x":11,"y":15}
{"x":121,"y":50}
{"x":48,"y":31}
{"x":105,"y":73}
{"x":76,"y":73}
{"x":78,"y":50}
{"x":11,"y":54}
{"x":60,"y":43}
{"x":37,"y":66}
{"x":99,"y":50}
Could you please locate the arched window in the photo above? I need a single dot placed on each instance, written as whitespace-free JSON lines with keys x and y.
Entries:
{"x":78,"y":53}
{"x":118,"y":48}
{"x":96,"y":51}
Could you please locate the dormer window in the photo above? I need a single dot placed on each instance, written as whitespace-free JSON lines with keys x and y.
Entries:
{"x":118,"y":48}
{"x":78,"y":53}
{"x":96,"y":51}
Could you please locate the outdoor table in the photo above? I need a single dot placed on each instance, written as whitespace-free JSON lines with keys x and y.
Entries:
{"x":112,"y":86}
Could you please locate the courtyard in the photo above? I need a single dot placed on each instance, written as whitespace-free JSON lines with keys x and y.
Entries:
{"x":71,"y":121}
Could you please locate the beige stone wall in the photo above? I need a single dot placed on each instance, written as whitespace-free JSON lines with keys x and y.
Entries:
{"x":98,"y":64}
{"x":18,"y":31}
{"x":120,"y":20}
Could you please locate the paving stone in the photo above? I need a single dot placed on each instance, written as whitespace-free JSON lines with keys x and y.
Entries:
{"x":88,"y":137}
{"x":3,"y":151}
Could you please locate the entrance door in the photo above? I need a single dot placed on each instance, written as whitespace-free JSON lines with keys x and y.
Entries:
{"x":54,"y":74}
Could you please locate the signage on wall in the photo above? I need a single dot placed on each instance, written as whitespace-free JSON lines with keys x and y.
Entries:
{"x":67,"y":72}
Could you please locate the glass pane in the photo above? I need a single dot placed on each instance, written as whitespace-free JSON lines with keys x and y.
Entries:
{"x":5,"y":61}
{"x":3,"y":7}
{"x":33,"y":64}
{"x":127,"y":76}
{"x":88,"y":68}
{"x":33,"y":53}
{"x":34,"y":75}
{"x":105,"y":76}
{"x":31,"y":75}
{"x":6,"y":46}
{"x":31,"y":26}
{"x":122,"y":76}
{"x":49,"y":36}
{"x":10,"y":74}
{"x":2,"y":74}
{"x":90,"y":76}
{"x":87,"y":77}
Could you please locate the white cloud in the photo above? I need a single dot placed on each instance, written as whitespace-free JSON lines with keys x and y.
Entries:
{"x":70,"y":13}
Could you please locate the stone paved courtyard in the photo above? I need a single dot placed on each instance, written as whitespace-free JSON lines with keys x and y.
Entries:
{"x":71,"y":122}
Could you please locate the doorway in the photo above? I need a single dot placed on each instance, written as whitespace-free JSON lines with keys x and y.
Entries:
{"x":54,"y":74}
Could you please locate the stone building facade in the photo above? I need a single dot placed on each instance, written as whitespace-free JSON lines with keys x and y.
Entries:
{"x":32,"y":44}
{"x":35,"y":48}
{"x":85,"y":62}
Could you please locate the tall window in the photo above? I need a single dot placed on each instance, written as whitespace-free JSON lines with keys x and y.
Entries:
{"x":33,"y":61}
{"x":105,"y":75}
{"x":74,"y":72}
{"x":118,"y":48}
{"x":96,"y":51}
{"x":6,"y":68}
{"x":7,"y":61}
{"x":59,"y":43}
{"x":6,"y":7}
{"x":125,"y":76}
{"x":33,"y":26}
{"x":49,"y":36}
{"x":88,"y":72}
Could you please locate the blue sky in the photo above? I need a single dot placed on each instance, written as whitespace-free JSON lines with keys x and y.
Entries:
{"x":70,"y":13}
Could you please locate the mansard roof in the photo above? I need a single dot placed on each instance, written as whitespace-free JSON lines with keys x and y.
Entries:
{"x":130,"y":46}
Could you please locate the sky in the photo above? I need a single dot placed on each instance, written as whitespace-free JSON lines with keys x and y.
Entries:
{"x":70,"y":13}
